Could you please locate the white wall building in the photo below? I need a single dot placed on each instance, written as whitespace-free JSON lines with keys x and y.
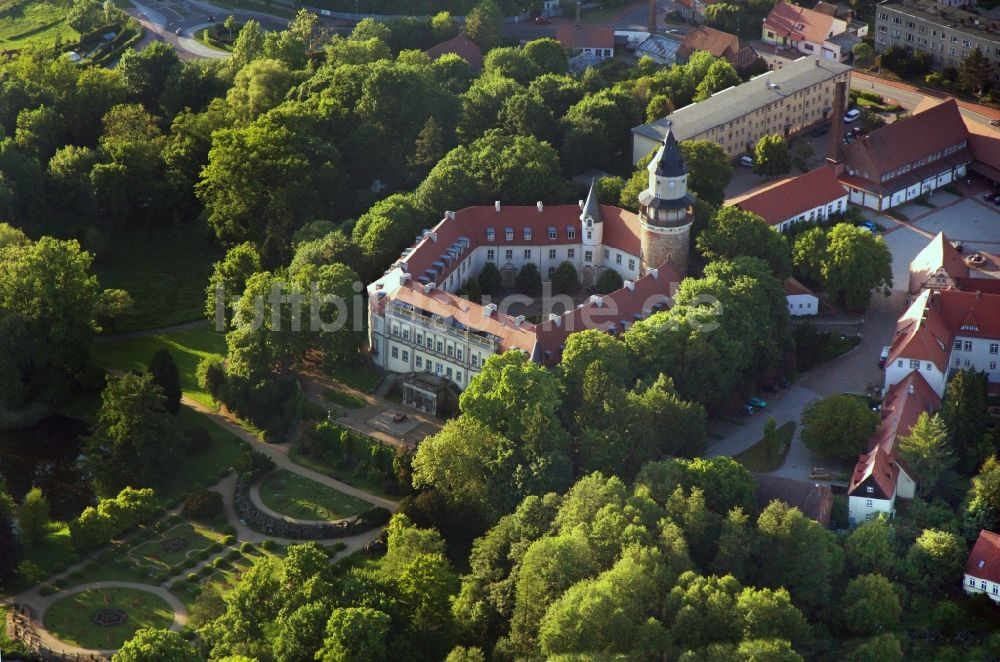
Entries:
{"x":982,"y":569}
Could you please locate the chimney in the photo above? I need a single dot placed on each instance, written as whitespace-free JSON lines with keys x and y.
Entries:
{"x":555,"y":319}
{"x":655,"y":273}
{"x":579,"y":7}
{"x":629,"y":285}
{"x":651,"y":19}
{"x":496,"y":205}
{"x":910,"y":388}
{"x":433,"y":236}
{"x":598,"y":301}
{"x":837,"y":121}
{"x":540,"y":206}
{"x":403,"y":278}
{"x":450,"y":215}
{"x":518,"y":321}
{"x":580,"y":202}
{"x":429,"y":287}
{"x":490,"y":308}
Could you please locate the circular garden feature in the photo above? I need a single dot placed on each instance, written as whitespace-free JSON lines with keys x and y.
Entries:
{"x":105,"y":618}
{"x":300,"y":498}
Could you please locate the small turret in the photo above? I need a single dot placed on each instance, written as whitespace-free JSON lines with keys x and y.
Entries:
{"x":591,"y":218}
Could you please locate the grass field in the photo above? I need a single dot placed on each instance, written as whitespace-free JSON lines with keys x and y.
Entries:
{"x":187,"y":348}
{"x":33,"y":22}
{"x":756,"y":457}
{"x":361,"y":377}
{"x":201,"y":469}
{"x":157,"y":555}
{"x":166,"y":271}
{"x":69,"y":618}
{"x":343,"y":399}
{"x":301,"y":498}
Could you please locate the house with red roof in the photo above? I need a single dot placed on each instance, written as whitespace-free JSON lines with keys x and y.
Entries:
{"x":596,"y":41}
{"x":811,"y":196}
{"x":418,"y":323}
{"x":461,"y":46}
{"x":808,"y":31}
{"x":801,"y":300}
{"x":880,"y":475}
{"x":718,"y":43}
{"x":937,"y":267}
{"x":982,"y":568}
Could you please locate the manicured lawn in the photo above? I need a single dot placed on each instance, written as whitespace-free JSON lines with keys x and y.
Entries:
{"x":756,"y":457}
{"x":70,"y":618}
{"x":301,"y":498}
{"x":51,"y":555}
{"x":165,"y":270}
{"x":359,"y":482}
{"x":27,"y":22}
{"x":201,"y":469}
{"x":171,"y":548}
{"x":343,"y":399}
{"x":362,"y":377}
{"x":187,"y":348}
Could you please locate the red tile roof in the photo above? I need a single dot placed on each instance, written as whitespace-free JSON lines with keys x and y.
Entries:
{"x":813,"y":499}
{"x":878,"y":466}
{"x":793,"y":287}
{"x":463,"y":47}
{"x":571,"y":35}
{"x":905,"y":142}
{"x":939,"y":253}
{"x":799,"y":23}
{"x":716,"y":42}
{"x":984,"y":560}
{"x":794,"y":196}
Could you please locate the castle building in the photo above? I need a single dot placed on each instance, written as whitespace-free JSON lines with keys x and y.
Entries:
{"x":418,"y":324}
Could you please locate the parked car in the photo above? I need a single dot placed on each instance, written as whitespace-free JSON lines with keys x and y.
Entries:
{"x":746,"y":160}
{"x":994,"y":122}
{"x":853,"y":115}
{"x":868,"y":225}
{"x":757,"y":402}
{"x":179,"y":31}
{"x":884,"y":356}
{"x":746,"y":410}
{"x":542,"y":20}
{"x":820,"y":130}
{"x":989,"y":196}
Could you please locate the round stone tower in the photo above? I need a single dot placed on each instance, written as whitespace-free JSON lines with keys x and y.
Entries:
{"x":665,"y":210}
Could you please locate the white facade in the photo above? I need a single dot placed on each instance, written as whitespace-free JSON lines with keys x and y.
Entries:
{"x":980,"y":354}
{"x":901,"y":367}
{"x":881,"y":203}
{"x":818,"y":213}
{"x":973,"y":585}
{"x":802,"y":304}
{"x":862,"y":509}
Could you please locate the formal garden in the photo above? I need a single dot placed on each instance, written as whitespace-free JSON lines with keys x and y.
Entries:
{"x":104,"y":618}
{"x":300,"y":498}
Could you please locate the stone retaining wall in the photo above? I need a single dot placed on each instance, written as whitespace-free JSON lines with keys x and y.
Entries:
{"x":260,"y":521}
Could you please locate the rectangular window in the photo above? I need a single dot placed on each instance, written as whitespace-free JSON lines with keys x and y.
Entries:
{"x":870,"y":489}
{"x":618,"y":258}
{"x":994,"y":348}
{"x":458,"y":376}
{"x":440,"y":347}
{"x":527,"y":254}
{"x":406,"y":333}
{"x":475,"y":360}
{"x":420,"y":339}
{"x":527,"y":234}
{"x":571,"y":232}
{"x":451,"y":350}
{"x":869,"y":517}
{"x":509,"y":253}
{"x":395,"y":352}
{"x":958,"y":344}
{"x":982,"y":584}
{"x":967,"y":363}
{"x":406,"y":355}
{"x":458,"y":353}
{"x":438,"y":369}
{"x":968,"y":345}
{"x":927,"y":367}
{"x":552,"y":233}
{"x":552,"y":253}
{"x":430,"y":343}
{"x":571,"y":253}
{"x":491,"y":254}
{"x":607,"y":254}
{"x":419,"y":360}
{"x":631,"y":264}
{"x":449,"y":373}
{"x":508,"y":234}
{"x":914,"y":364}
{"x":491,"y":234}
{"x":993,"y":365}
{"x":430,"y":366}
{"x":868,"y":503}
{"x":588,"y":256}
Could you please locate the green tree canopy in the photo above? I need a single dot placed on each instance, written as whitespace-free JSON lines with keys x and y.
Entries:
{"x":857,"y":262}
{"x":838,"y":426}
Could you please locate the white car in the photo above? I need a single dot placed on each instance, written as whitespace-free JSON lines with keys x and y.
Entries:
{"x":852,"y":115}
{"x":746,"y":160}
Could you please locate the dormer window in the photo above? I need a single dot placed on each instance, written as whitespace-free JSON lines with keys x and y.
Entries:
{"x":590,"y":223}
{"x":527,"y":234}
{"x":571,"y":232}
{"x":552,"y":233}
{"x":491,"y":234}
{"x":509,"y":234}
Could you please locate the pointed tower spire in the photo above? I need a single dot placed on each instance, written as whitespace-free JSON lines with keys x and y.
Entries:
{"x":669,"y":160}
{"x":592,"y":208}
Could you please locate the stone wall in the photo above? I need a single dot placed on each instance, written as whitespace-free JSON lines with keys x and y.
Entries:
{"x":272,"y":526}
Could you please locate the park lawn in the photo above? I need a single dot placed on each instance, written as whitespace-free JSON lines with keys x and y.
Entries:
{"x":202,"y":469}
{"x":298,"y":497}
{"x":53,"y":554}
{"x":362,"y":377}
{"x":165,"y":270}
{"x":204,"y":38}
{"x":33,"y":22}
{"x":155,"y":554}
{"x":360,"y":482}
{"x":187,"y":347}
{"x":69,"y":618}
{"x":343,"y":398}
{"x":755,"y":458}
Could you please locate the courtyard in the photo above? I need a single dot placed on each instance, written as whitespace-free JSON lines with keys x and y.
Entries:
{"x":104,"y":618}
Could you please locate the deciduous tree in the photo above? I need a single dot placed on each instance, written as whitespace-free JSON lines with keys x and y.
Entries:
{"x":857,"y":262}
{"x":771,"y":156}
{"x":838,"y":426}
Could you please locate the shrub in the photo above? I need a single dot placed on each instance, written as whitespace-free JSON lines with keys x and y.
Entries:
{"x":203,"y":554}
{"x":268,"y":545}
{"x":233,"y":554}
{"x":215,"y":547}
{"x":251,"y":465}
{"x":246,"y":548}
{"x":223,"y":473}
{"x":490,"y":279}
{"x":192,"y":577}
{"x":206,"y":570}
{"x":609,"y":281}
{"x":528,"y":280}
{"x":376,"y":516}
{"x":196,"y":440}
{"x":203,"y":505}
{"x":58,"y":567}
{"x":160,"y":577}
{"x":228,"y":540}
{"x":339,"y":546}
{"x":218,"y":562}
{"x":565,"y":279}
{"x":211,"y":375}
{"x":177,"y":585}
{"x":46,"y":589}
{"x":189,"y":562}
{"x":228,"y":529}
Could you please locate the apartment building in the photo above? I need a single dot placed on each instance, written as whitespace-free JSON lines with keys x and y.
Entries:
{"x":783,"y":102}
{"x":812,"y":32}
{"x":947,"y":33}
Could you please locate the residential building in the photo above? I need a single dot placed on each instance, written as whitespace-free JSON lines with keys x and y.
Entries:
{"x":947,"y":33}
{"x":937,"y":267}
{"x":944,"y":331}
{"x":812,"y":196}
{"x":982,"y":568}
{"x":801,"y":300}
{"x":718,"y":43}
{"x":462,"y":46}
{"x":662,"y":49}
{"x":908,"y":158}
{"x":781,"y":102}
{"x":815,"y":500}
{"x":417,"y":322}
{"x":595,"y":41}
{"x":810,"y":32}
{"x":693,"y":11}
{"x":880,"y":475}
